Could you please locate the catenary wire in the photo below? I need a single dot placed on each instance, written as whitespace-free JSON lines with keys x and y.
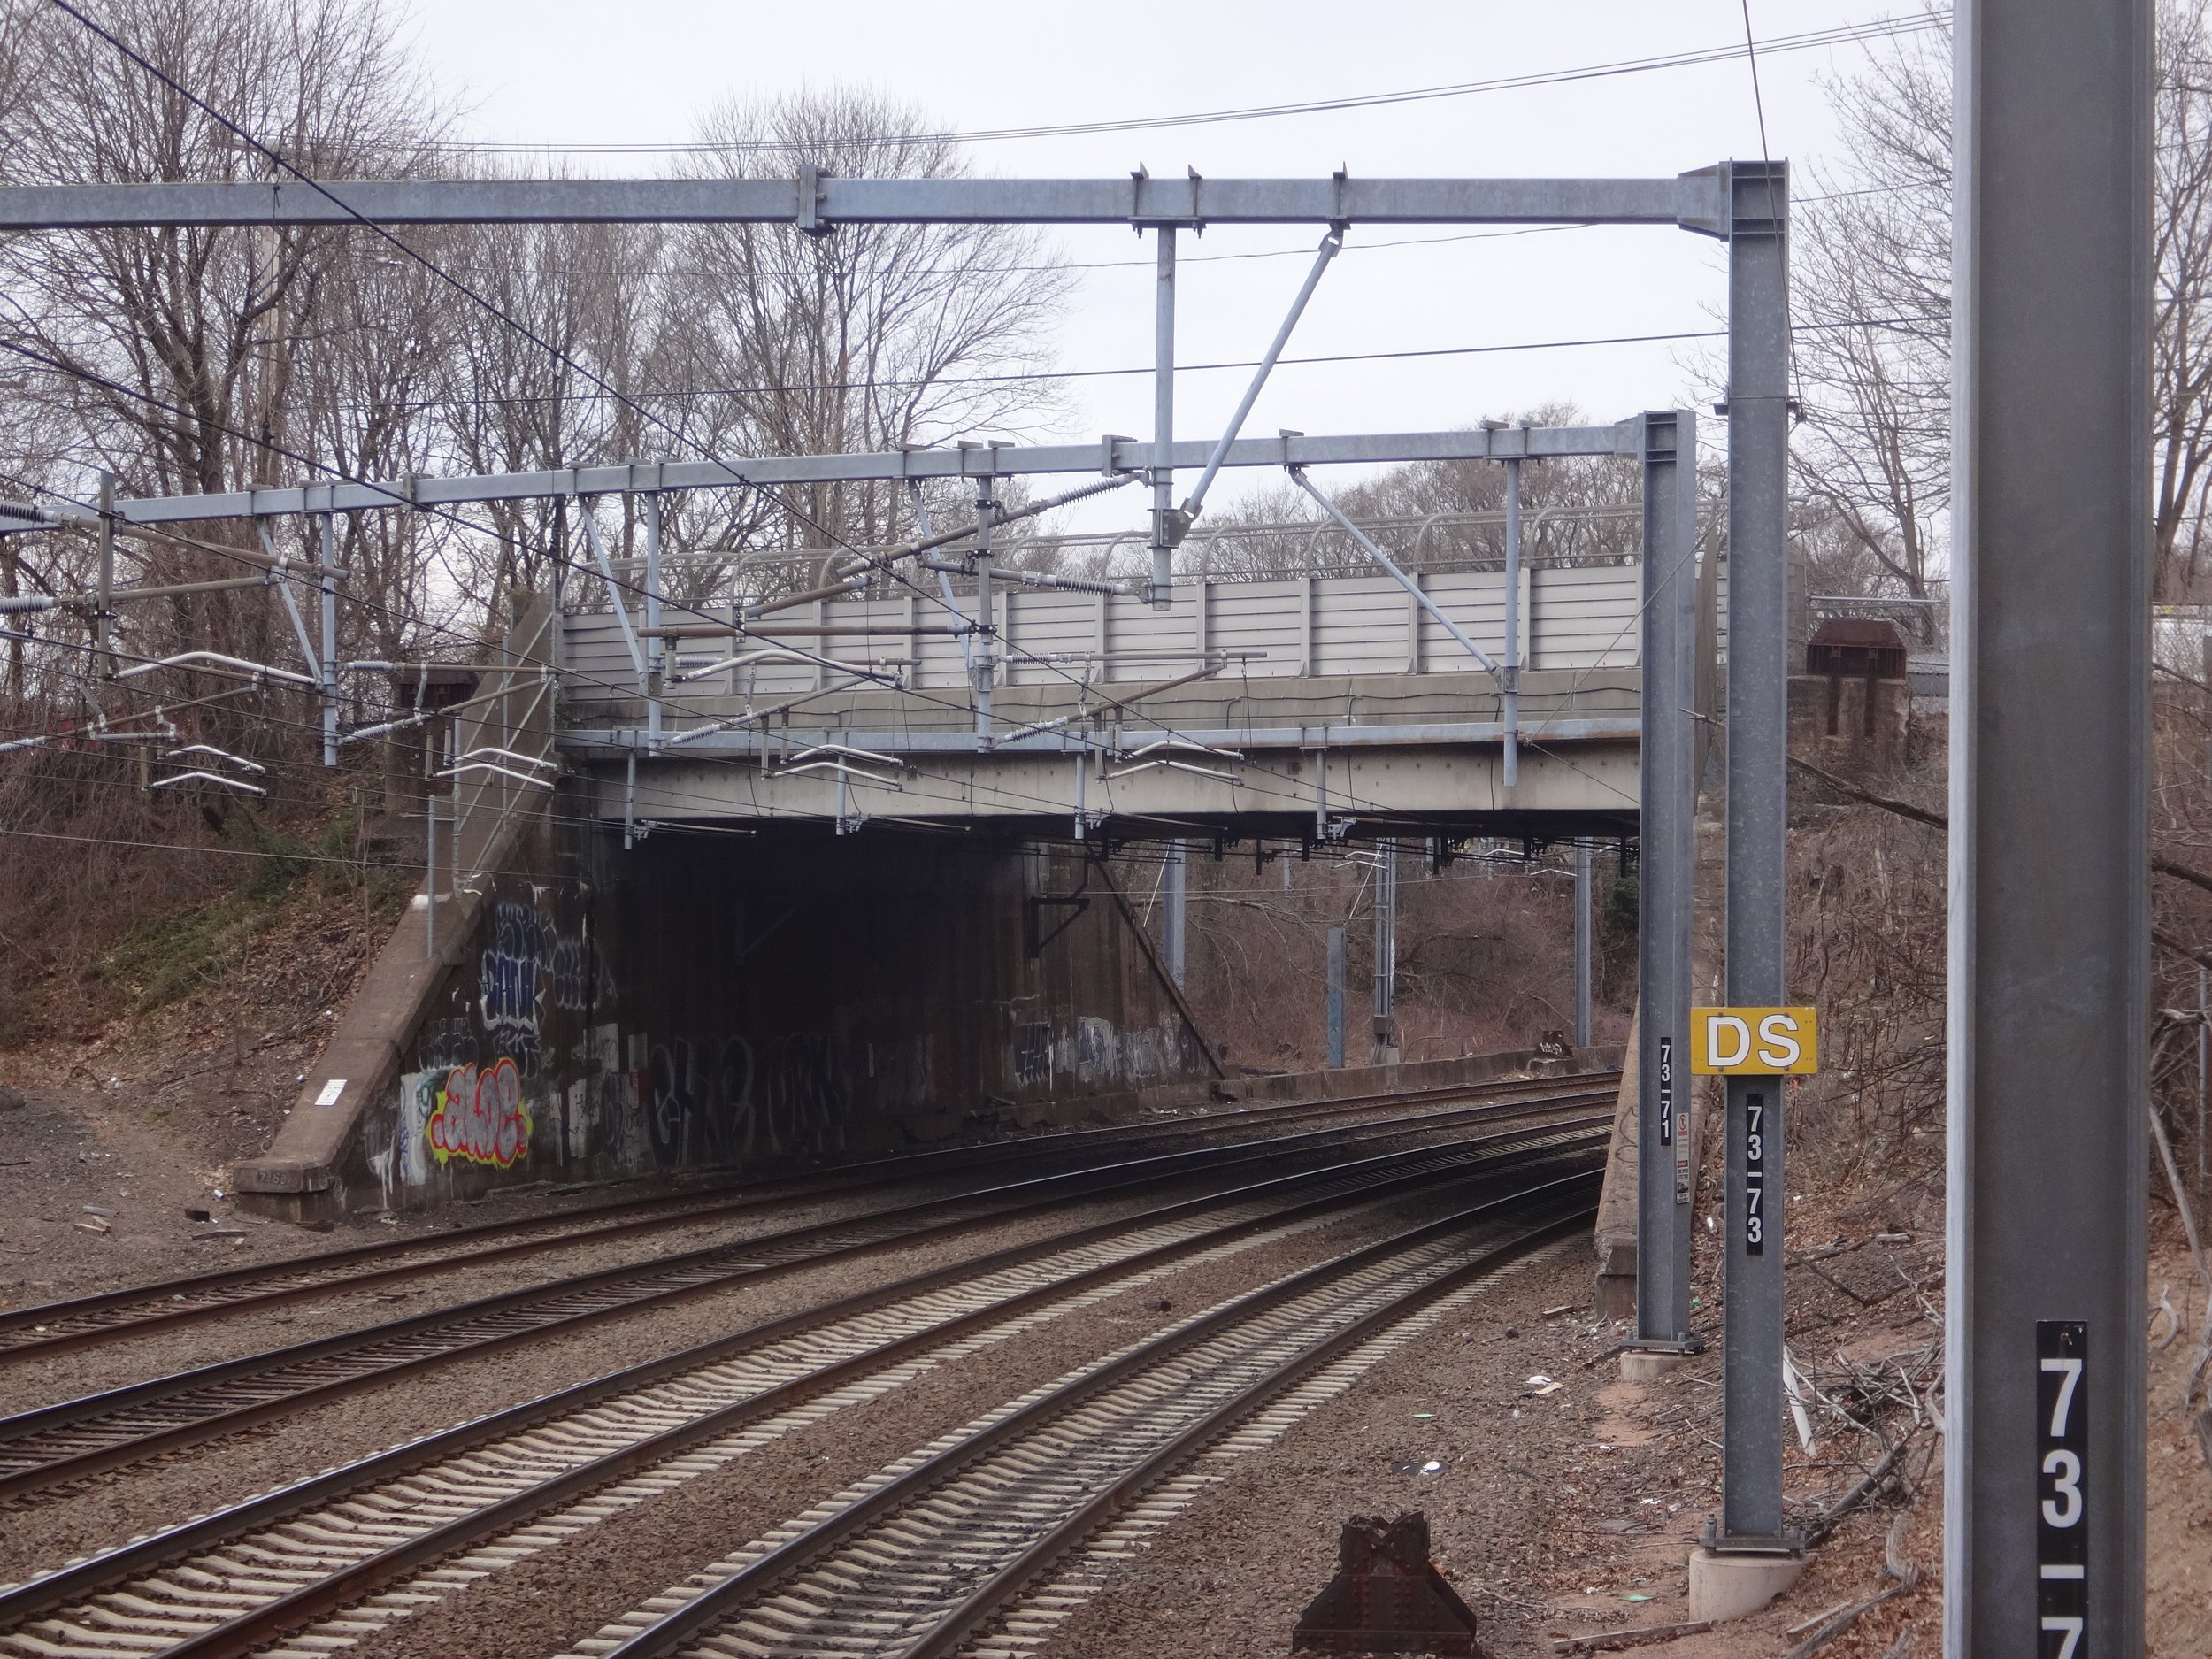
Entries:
{"x":1841,"y":34}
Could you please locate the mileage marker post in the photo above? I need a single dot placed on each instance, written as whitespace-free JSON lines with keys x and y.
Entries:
{"x":1746,"y":1557}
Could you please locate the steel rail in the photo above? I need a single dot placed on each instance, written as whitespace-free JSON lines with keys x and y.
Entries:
{"x":1518,"y":1091}
{"x":709,"y":1607}
{"x":979,"y":1606}
{"x":205,"y":1300}
{"x":290,"y":1613}
{"x":1344,"y":1187}
{"x":236,"y":1392}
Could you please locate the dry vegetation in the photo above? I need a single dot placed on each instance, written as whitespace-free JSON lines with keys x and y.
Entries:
{"x":1485,"y":950}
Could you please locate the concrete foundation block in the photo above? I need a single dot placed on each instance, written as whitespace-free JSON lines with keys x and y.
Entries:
{"x":1725,"y":1586}
{"x":1646,"y":1365}
{"x":1616,"y":1295}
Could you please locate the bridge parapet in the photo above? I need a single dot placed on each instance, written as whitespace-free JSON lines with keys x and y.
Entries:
{"x":1281,"y":706}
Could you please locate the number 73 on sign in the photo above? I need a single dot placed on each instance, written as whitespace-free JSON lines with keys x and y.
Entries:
{"x":1753,"y":1041}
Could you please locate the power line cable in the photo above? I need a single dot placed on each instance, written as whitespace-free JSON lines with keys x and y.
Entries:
{"x":1841,"y":34}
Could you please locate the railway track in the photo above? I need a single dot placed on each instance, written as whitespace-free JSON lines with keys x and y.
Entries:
{"x":915,"y":1561}
{"x":74,"y":1440}
{"x":482,"y":1494}
{"x":48,"y":1328}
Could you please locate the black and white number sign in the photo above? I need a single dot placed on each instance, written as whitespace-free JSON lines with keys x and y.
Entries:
{"x":2061,"y":1532}
{"x":1674,"y":1121}
{"x":1754,"y":1174}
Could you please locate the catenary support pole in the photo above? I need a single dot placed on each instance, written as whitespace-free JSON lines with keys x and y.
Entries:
{"x":327,"y":582}
{"x":1333,"y":1012}
{"x":430,"y":875}
{"x":1664,"y":874}
{"x":2052,"y":274}
{"x":1510,"y":658}
{"x":1758,"y":794}
{"x":103,"y":613}
{"x":1385,"y":952}
{"x":983,"y":664}
{"x":1582,"y":947}
{"x":1163,"y":514}
{"x":657,"y":658}
{"x":1172,"y":916}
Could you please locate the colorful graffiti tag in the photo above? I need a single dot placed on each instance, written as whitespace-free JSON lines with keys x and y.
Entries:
{"x":480,"y":1116}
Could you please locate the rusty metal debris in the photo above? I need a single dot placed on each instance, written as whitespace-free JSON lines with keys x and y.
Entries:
{"x":1387,"y":1596}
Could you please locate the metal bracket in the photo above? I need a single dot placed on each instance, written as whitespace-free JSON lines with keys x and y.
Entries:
{"x":1035,"y":939}
{"x":811,"y":196}
{"x":1787,"y":1542}
{"x":1735,"y":198}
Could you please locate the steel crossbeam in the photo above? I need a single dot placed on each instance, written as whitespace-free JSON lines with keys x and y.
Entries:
{"x":1693,"y":200}
{"x":1105,"y":456}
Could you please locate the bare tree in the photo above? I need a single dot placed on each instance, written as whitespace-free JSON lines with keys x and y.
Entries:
{"x":566,"y":312}
{"x":367,"y":380}
{"x":177,"y":354}
{"x":1872,"y":284}
{"x":868,"y":337}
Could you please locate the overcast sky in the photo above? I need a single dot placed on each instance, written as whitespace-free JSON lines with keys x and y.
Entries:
{"x":577,"y":72}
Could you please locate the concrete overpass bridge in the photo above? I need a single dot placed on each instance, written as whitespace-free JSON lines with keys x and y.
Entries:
{"x":1303,"y":707}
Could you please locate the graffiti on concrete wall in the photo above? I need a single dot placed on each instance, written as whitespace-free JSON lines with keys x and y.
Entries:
{"x":699,"y":1101}
{"x":420,"y":1095}
{"x":810,"y":1101}
{"x":706,"y":1105}
{"x":512,"y":976}
{"x":576,"y":970}
{"x":442,"y":1044}
{"x":898,"y":1070}
{"x":1101,"y":1054}
{"x":480,"y":1116}
{"x":1032,"y":1054}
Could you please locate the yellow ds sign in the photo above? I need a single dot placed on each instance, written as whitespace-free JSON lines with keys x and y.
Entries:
{"x":1753,"y":1041}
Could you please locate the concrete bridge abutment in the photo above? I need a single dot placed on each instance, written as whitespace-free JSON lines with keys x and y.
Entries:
{"x":709,"y":1000}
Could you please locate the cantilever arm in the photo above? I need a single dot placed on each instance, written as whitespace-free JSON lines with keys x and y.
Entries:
{"x":1196,"y":499}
